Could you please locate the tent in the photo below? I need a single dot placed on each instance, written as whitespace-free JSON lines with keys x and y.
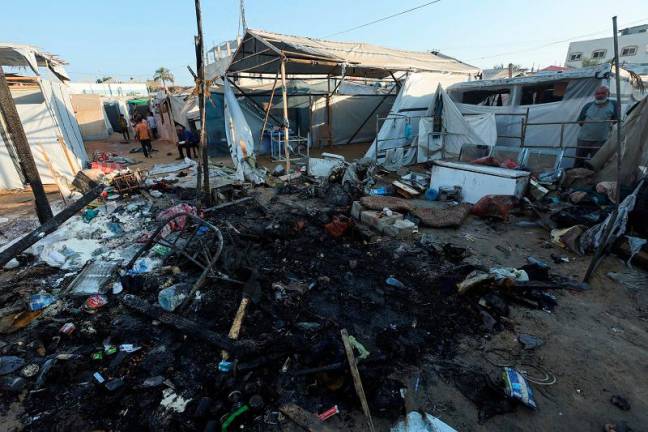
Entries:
{"x":427,"y":125}
{"x":634,"y":148}
{"x":548,"y":97}
{"x":261,"y":52}
{"x":273,"y":55}
{"x":47,"y":116}
{"x":91,"y":116}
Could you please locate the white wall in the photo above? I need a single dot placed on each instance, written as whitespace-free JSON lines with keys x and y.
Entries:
{"x":640,"y":40}
{"x":109,"y":89}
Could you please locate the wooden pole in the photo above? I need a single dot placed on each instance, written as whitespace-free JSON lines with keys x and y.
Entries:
{"x":600,"y":251}
{"x":618,"y":107}
{"x":357,"y":382}
{"x":19,"y":139}
{"x":203,"y":165}
{"x":285,"y":114}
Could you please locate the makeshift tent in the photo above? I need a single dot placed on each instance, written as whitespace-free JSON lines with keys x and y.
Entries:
{"x":261,"y":51}
{"x":294,"y":57}
{"x":47,"y":116}
{"x":91,"y":116}
{"x":553,"y":97}
{"x":425,"y":125}
{"x":634,"y":148}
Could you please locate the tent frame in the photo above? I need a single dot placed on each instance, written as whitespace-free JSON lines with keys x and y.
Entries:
{"x":263,"y":53}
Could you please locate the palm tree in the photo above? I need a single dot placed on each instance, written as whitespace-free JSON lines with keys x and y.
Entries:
{"x":163,"y":74}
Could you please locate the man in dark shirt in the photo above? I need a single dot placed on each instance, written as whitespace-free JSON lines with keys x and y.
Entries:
{"x":593,"y":135}
{"x":186,"y":141}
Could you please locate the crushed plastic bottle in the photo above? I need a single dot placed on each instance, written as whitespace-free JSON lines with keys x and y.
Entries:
{"x":393,"y":282}
{"x":40,"y":301}
{"x":172,"y":297}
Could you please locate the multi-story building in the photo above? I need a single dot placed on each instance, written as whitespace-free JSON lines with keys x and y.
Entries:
{"x":633,"y":50}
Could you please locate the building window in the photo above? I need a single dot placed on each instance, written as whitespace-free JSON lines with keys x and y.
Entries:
{"x":629,"y":51}
{"x":598,"y":54}
{"x":576,"y":57}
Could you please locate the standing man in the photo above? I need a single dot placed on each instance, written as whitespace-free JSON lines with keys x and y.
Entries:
{"x":593,"y":135}
{"x":123,"y":125}
{"x":143,"y":134}
{"x":150,"y":119}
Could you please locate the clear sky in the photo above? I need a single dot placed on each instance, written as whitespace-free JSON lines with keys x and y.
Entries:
{"x":126,"y":38}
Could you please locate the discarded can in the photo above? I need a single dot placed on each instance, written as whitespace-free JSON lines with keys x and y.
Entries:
{"x":225,"y":366}
{"x":30,"y":370}
{"x":40,"y":301}
{"x":379,"y":191}
{"x":96,"y":301}
{"x":68,"y":328}
{"x":329,"y":413}
{"x":100,"y":379}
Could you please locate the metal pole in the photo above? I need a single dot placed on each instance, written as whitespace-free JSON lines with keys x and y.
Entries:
{"x":285,"y":114}
{"x":19,"y":139}
{"x":203,"y":165}
{"x":618,"y":106}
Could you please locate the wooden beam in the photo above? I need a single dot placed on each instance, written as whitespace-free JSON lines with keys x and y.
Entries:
{"x":303,"y":418}
{"x":285,"y":114}
{"x":19,"y":138}
{"x":357,"y":381}
{"x":203,"y":165}
{"x":17,"y":247}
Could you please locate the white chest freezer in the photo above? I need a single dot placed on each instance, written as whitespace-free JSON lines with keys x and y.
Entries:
{"x":477,"y":181}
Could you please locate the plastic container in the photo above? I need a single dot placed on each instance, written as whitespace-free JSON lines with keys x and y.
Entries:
{"x":172,"y":297}
{"x":431,"y":194}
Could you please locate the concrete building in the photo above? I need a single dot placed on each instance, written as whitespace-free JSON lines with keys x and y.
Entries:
{"x":633,"y":50}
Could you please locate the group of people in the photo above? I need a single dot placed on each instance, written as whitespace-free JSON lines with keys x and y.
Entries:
{"x":146,"y":131}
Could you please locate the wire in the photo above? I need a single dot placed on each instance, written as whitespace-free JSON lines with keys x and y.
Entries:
{"x":383,"y":19}
{"x":552,"y":43}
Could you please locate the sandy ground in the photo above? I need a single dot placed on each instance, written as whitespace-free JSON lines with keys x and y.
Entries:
{"x":596,"y":342}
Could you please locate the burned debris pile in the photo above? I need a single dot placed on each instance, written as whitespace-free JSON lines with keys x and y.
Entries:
{"x":233,"y":315}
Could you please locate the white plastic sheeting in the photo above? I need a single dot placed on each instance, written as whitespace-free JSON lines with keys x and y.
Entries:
{"x":413,"y":109}
{"x":347,"y":115}
{"x":29,"y":56}
{"x":239,"y":137}
{"x":455,"y":130}
{"x":53,"y":134}
{"x":579,"y":91}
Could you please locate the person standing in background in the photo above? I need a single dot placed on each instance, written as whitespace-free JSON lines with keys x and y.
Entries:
{"x":152,"y":124}
{"x":143,"y":135}
{"x":123,"y":125}
{"x":593,"y":135}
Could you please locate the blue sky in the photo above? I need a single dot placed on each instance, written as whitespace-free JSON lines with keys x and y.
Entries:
{"x":126,"y":39}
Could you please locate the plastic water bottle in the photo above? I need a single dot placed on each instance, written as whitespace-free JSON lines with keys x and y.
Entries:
{"x":172,"y":297}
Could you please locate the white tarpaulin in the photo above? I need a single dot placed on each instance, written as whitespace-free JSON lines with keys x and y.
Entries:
{"x":239,"y":137}
{"x":409,"y":130}
{"x":453,"y":130}
{"x":577,"y":88}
